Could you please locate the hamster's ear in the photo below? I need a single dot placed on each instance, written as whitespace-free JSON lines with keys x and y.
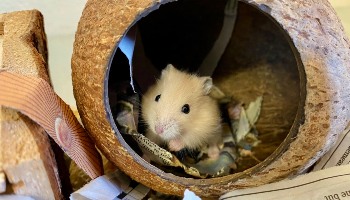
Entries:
{"x":167,"y":69}
{"x":207,"y":84}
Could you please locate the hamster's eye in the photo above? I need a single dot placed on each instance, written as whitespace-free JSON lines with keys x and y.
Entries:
{"x":185,"y":109}
{"x":157,"y":98}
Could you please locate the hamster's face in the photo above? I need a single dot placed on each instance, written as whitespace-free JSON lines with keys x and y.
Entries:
{"x":177,"y":105}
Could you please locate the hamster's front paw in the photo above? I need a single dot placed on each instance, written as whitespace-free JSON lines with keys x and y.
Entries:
{"x":213,"y":152}
{"x":176,"y":145}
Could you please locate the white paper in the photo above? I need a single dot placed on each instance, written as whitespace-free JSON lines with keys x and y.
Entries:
{"x":127,"y":46}
{"x":99,"y":188}
{"x":189,"y":195}
{"x":15,"y":197}
{"x":337,"y":155}
{"x":113,"y":186}
{"x":329,"y":184}
{"x":243,"y":126}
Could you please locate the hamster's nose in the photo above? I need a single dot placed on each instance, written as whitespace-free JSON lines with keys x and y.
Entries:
{"x":159,"y":129}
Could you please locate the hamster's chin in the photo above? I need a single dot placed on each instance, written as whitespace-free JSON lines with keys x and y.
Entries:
{"x":170,"y":133}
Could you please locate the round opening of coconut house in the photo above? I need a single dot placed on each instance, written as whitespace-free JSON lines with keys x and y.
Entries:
{"x":209,"y":95}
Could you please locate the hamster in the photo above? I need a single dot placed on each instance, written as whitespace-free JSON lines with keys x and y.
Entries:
{"x":180,"y":113}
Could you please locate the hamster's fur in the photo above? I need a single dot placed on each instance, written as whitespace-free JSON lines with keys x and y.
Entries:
{"x":180,"y":113}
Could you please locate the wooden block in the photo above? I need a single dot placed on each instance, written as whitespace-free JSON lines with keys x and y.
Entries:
{"x":26,"y":158}
{"x":2,"y":175}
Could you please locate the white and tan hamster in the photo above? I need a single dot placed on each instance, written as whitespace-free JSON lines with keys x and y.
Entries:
{"x":180,"y":113}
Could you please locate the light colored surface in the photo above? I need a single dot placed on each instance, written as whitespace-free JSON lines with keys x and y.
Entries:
{"x":342,"y":7}
{"x":60,"y":52}
{"x":61,"y":19}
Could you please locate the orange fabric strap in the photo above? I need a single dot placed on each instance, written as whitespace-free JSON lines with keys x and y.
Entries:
{"x":35,"y":98}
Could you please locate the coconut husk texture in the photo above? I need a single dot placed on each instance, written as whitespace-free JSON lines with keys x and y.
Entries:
{"x":319,"y":42}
